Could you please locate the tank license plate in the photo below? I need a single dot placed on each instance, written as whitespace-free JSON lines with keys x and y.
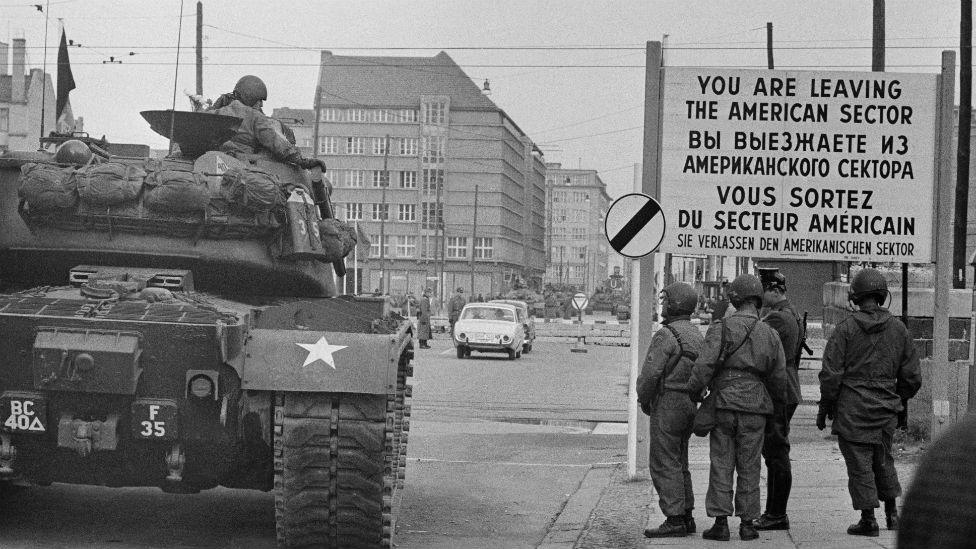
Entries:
{"x":154,"y":420}
{"x":23,"y":415}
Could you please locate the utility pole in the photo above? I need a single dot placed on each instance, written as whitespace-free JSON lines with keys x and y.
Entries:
{"x":962,"y":153}
{"x":474,"y":232}
{"x":383,"y":213}
{"x":769,"y":44}
{"x":199,"y":48}
{"x":439,"y":241}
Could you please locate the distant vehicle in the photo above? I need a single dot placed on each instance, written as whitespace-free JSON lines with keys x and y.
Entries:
{"x":489,"y":328}
{"x":525,"y":317}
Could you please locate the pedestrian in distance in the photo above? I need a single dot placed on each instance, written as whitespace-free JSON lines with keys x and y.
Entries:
{"x":742,"y":362}
{"x":662,"y":393}
{"x":870,"y":370}
{"x":424,"y":333}
{"x":780,"y":315}
{"x":454,"y":307}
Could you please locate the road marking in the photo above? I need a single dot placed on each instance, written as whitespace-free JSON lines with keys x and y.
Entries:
{"x":446,"y":352}
{"x":607,"y":428}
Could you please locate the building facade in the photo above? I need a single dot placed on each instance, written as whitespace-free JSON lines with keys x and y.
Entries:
{"x":302,"y":124}
{"x":22,"y":93}
{"x":448,"y":188}
{"x":576,"y":208}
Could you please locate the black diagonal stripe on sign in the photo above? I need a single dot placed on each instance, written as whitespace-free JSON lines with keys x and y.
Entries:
{"x":634,"y":226}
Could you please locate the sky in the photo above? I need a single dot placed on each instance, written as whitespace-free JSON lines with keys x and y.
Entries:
{"x":570,"y":73}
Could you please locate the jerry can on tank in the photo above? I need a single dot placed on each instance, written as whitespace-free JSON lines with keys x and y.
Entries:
{"x":301,"y":239}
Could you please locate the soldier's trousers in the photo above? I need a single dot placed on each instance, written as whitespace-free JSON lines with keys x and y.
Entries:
{"x":776,"y":451}
{"x":671,"y":420}
{"x":735,"y":447}
{"x":871,"y":473}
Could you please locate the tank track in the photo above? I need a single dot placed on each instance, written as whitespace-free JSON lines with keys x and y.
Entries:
{"x":339,"y":464}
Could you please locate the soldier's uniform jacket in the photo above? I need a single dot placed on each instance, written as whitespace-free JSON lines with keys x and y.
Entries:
{"x":662,"y":352}
{"x":455,"y":305}
{"x":752,"y":378}
{"x":782,"y":317}
{"x":869,"y":366}
{"x":423,"y":318}
{"x":257,"y":134}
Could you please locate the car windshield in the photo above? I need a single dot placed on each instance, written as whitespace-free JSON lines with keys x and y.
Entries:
{"x":488,"y":313}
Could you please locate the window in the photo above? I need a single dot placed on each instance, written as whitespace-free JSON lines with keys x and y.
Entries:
{"x":578,"y":271}
{"x":355,"y":145}
{"x":354,"y":211}
{"x":356,"y":115}
{"x":433,"y":149}
{"x":482,"y":248}
{"x":435,"y":112}
{"x":408,"y":146}
{"x":374,"y":245}
{"x":379,"y":146}
{"x":355,"y":178}
{"x":407,"y":212}
{"x":379,"y":179}
{"x":429,"y":246}
{"x":329,"y":145}
{"x":4,"y":120}
{"x":431,"y":214}
{"x":457,"y":247}
{"x":381,"y":212}
{"x":408,"y":180}
{"x":408,"y":115}
{"x":406,"y":246}
{"x":331,"y":115}
{"x":307,"y":142}
{"x":579,"y":252}
{"x":382,"y":115}
{"x":579,"y":233}
{"x":433,"y":180}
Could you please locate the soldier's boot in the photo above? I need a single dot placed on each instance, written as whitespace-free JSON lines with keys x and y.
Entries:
{"x":773,"y":522}
{"x":747,"y":531}
{"x":719,"y":531}
{"x":690,"y":526}
{"x":775,"y":517}
{"x":867,"y":526}
{"x":891,"y":514}
{"x":672,"y":527}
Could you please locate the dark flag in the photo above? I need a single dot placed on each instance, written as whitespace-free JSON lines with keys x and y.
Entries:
{"x":66,"y":82}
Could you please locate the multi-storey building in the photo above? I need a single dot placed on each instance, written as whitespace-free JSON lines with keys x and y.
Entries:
{"x":302,"y":123}
{"x":21,"y":97}
{"x":576,"y":207}
{"x":446,"y":185}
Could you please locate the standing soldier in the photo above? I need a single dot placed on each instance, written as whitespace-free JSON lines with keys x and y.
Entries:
{"x":869,"y":370}
{"x":662,"y":393}
{"x":782,"y":317}
{"x":454,"y":307}
{"x":742,"y":362}
{"x":423,"y":320}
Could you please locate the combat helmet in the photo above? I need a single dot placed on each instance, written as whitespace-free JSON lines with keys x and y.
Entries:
{"x":868,"y":282}
{"x":73,"y":151}
{"x":745,"y":286}
{"x":772,"y":279}
{"x":250,"y":89}
{"x":679,"y":299}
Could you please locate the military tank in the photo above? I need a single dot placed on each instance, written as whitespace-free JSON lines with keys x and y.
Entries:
{"x":197,"y":346}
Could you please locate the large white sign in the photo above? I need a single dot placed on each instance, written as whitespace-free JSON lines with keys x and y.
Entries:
{"x":815,"y":165}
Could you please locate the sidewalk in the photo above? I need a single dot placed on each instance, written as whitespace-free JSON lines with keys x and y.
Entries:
{"x":820,"y":507}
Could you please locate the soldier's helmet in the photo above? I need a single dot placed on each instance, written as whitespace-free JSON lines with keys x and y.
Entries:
{"x":250,"y":89}
{"x":679,"y":299}
{"x":868,"y":282}
{"x":772,"y":279}
{"x":745,"y":286}
{"x":73,"y":151}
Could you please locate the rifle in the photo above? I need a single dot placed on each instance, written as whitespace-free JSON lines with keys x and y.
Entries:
{"x":322,"y":194}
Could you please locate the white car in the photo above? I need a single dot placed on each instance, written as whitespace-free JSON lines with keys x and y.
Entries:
{"x":489,"y":328}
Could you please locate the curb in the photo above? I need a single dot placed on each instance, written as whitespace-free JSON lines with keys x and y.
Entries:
{"x":572,"y":519}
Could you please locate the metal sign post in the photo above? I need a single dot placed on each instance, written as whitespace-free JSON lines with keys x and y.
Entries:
{"x":579,"y":302}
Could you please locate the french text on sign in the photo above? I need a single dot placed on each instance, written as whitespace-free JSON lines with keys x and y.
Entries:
{"x":635,"y":225}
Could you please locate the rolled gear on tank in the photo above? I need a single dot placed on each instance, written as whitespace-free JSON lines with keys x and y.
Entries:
{"x":252,"y":190}
{"x":172,"y":187}
{"x":47,"y":186}
{"x":338,"y":238}
{"x":110,"y":183}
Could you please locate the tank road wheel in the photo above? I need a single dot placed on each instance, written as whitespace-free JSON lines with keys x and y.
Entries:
{"x":329,"y":471}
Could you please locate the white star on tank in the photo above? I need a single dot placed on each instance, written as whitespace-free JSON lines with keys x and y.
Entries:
{"x":320,"y":350}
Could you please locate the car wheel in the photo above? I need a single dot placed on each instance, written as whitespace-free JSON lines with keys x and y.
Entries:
{"x":518,"y":354}
{"x":511,"y":354}
{"x":460,"y":352}
{"x":467,"y":353}
{"x":527,"y":348}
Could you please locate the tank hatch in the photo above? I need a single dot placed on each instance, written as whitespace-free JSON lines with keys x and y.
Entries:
{"x":195,"y":132}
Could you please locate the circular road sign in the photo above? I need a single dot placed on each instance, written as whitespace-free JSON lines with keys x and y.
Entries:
{"x":635,"y":225}
{"x":580,"y":301}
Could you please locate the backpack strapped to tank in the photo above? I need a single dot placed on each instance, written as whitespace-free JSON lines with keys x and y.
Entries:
{"x":175,"y":187}
{"x":109,"y":183}
{"x":252,"y":190}
{"x":47,"y":186}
